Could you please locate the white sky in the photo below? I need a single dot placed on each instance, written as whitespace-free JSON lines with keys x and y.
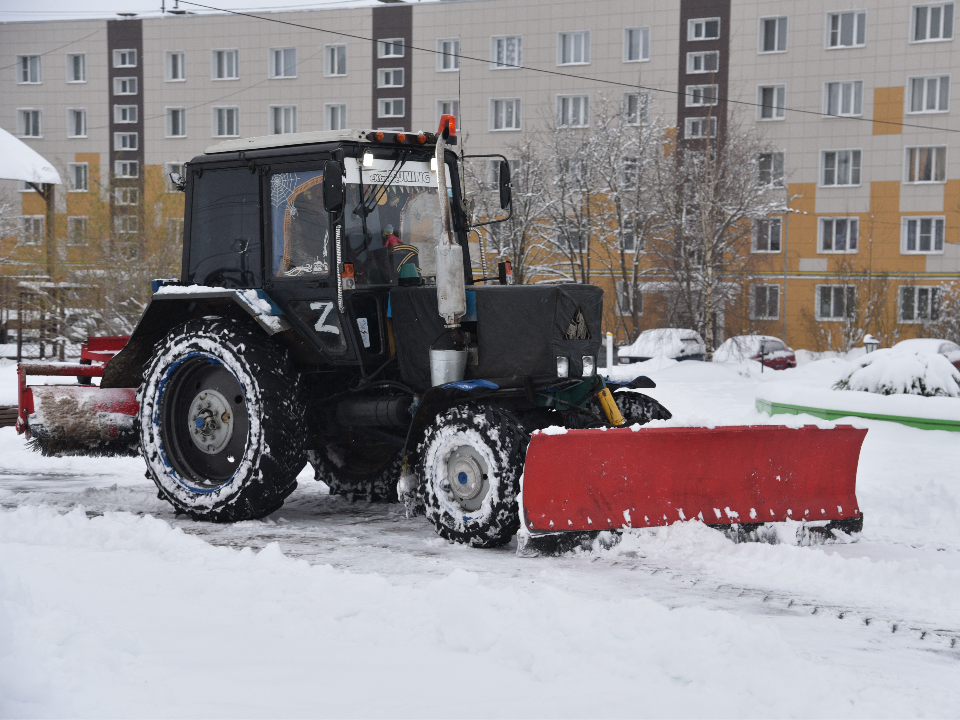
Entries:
{"x":17,"y":10}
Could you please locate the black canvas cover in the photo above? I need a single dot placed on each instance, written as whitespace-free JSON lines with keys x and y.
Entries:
{"x":521,"y":330}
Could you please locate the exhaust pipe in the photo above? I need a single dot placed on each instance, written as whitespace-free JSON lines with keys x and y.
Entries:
{"x":451,"y":290}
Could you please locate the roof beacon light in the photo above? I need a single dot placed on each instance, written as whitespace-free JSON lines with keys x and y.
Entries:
{"x":421,"y":138}
{"x":448,"y":126}
{"x":401,"y":137}
{"x":368,"y":159}
{"x":378,"y":136}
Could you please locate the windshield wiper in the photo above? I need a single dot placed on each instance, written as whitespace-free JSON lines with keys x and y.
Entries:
{"x":391,"y":175}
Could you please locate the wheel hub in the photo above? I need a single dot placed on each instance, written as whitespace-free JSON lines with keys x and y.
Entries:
{"x":210,"y":421}
{"x":466,"y":474}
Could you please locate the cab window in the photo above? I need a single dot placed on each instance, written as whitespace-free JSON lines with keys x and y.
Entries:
{"x":299,"y":224}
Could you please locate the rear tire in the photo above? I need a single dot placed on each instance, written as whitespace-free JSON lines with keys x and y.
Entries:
{"x":471,"y":460}
{"x":221,"y":421}
{"x":358,"y":472}
{"x":638,"y":408}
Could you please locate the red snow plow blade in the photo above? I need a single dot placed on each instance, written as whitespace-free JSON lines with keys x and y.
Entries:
{"x":80,"y":419}
{"x":589,"y":480}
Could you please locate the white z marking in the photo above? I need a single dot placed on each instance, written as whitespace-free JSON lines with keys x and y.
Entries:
{"x":320,"y":327}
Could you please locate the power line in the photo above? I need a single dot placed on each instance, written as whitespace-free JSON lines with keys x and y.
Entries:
{"x":560,"y":73}
{"x":72,"y":42}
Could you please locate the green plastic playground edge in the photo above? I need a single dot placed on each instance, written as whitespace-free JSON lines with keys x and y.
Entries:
{"x":775,"y":408}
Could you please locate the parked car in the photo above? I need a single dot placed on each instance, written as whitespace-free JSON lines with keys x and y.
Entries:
{"x":771,"y":351}
{"x":674,"y":343}
{"x":948,"y":349}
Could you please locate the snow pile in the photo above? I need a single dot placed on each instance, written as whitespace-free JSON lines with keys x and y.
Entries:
{"x":895,"y":372}
{"x":664,"y":342}
{"x":745,"y":347}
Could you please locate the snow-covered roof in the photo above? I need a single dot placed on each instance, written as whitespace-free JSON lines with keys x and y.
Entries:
{"x":19,"y":161}
{"x":665,"y":342}
{"x":926,"y":345}
{"x":272,"y":141}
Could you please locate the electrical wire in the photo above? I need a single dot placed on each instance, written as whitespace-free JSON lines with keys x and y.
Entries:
{"x":559,"y":73}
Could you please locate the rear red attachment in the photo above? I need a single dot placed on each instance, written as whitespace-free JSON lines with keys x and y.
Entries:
{"x":588,"y":480}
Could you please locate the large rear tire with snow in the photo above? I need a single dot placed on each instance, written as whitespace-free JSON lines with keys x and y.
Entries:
{"x":638,"y":408}
{"x":358,"y":471}
{"x":470,"y":464}
{"x":221,"y":421}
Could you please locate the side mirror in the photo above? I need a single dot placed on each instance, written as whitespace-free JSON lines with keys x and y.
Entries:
{"x":332,"y":186}
{"x":505,"y":187}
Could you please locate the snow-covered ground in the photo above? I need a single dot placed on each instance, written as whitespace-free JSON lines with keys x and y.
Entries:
{"x":111,"y":606}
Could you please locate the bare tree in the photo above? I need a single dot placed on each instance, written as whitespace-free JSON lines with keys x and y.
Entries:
{"x":709,"y":193}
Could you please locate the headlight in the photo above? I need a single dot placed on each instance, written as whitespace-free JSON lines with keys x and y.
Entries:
{"x":589,"y":365}
{"x":563,"y":366}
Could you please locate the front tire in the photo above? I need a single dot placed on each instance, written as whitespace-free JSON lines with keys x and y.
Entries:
{"x":470,"y":464}
{"x":221,"y":421}
{"x":638,"y":408}
{"x":358,"y":472}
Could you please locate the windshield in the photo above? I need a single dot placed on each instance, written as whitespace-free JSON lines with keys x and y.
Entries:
{"x":393,"y":221}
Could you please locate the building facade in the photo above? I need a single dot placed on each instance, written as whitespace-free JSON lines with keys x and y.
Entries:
{"x":855,"y":100}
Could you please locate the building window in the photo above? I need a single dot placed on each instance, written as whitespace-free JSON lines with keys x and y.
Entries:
{"x":703,"y":29}
{"x":636,"y":107}
{"x":283,"y":62}
{"x":32,"y":229}
{"x":76,"y":230}
{"x":283,"y":119}
{"x":124,"y":114}
{"x":77,"y":68}
{"x":629,"y":299}
{"x":78,"y":177}
{"x":176,"y":122}
{"x":773,"y":35}
{"x":390,"y":107}
{"x":922,"y":235}
{"x":703,"y":62}
{"x":843,"y":98}
{"x":126,"y":224}
{"x":836,"y":302}
{"x":172,"y":168}
{"x":124,"y":58}
{"x":125,"y":141}
{"x":448,"y":55}
{"x":770,"y":166}
{"x":700,"y":127}
{"x":846,"y":29}
{"x":76,"y":123}
{"x":226,"y":122}
{"x":701,"y":95}
{"x":126,"y":169}
{"x":919,"y":303}
{"x":926,"y":164}
{"x":505,"y":114}
{"x":840,"y":167}
{"x":765,"y":303}
{"x":335,"y":117}
{"x":335,"y":60}
{"x":29,"y":123}
{"x":767,"y":234}
{"x":573,"y":110}
{"x":507,"y":51}
{"x":226,"y":64}
{"x":176,"y":68}
{"x":839,"y":235}
{"x":125,"y":86}
{"x":573,"y":48}
{"x":126,"y":196}
{"x":636,"y":44}
{"x":448,"y":107}
{"x":390,"y":48}
{"x":28,"y":69}
{"x":772,"y":102}
{"x":932,"y":23}
{"x":929,"y":94}
{"x":390,"y":77}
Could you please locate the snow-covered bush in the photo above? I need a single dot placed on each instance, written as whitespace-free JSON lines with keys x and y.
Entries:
{"x":893,"y":372}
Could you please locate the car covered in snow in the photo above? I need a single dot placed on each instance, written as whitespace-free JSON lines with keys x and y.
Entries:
{"x":948,"y":349}
{"x":675,"y":343}
{"x":766,"y":349}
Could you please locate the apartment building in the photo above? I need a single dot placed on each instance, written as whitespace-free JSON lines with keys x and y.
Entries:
{"x":855,"y":100}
